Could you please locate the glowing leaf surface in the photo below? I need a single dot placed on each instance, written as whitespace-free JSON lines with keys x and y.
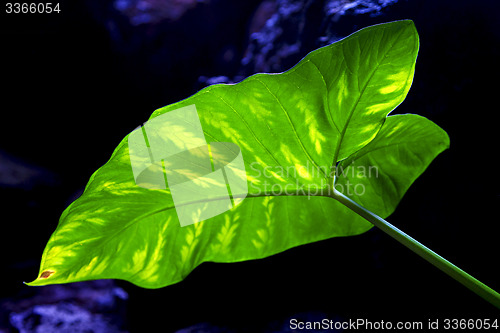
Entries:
{"x":291,"y":128}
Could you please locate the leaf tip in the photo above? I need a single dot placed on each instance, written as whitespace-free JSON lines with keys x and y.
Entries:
{"x":408,"y":22}
{"x":40,"y":280}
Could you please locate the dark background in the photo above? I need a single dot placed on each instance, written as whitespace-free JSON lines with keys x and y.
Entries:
{"x":75,"y":83}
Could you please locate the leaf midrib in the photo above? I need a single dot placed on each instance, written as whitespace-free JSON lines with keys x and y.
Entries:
{"x":353,"y":109}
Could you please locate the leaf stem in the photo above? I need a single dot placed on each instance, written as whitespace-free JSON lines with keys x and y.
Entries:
{"x":453,"y":271}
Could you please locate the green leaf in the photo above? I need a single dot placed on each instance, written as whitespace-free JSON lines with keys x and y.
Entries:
{"x":292,"y":128}
{"x":378,"y":175}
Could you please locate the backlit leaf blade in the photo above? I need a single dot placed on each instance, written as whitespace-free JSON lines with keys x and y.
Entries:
{"x":385,"y":168}
{"x":372,"y":79}
{"x":289,"y":128}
